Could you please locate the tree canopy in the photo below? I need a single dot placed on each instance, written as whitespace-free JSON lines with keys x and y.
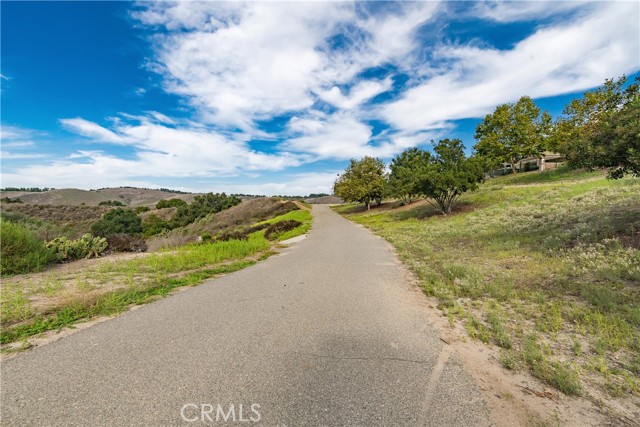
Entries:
{"x":602,"y":129}
{"x":363,"y":181}
{"x":513,"y":132}
{"x":406,"y":169}
{"x":449,"y":174}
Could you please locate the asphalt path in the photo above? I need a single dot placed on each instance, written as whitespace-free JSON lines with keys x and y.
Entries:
{"x":328,"y":333}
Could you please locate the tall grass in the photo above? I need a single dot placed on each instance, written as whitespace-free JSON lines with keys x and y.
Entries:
{"x":21,"y":251}
{"x":191,"y":256}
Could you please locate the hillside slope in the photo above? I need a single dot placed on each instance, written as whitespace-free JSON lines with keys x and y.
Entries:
{"x":544,"y":267}
{"x":131,"y":197}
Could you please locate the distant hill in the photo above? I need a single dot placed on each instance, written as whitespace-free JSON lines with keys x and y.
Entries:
{"x":325,"y":200}
{"x":131,"y":197}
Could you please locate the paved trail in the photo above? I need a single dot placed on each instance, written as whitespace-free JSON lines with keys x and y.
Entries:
{"x":327,"y":334}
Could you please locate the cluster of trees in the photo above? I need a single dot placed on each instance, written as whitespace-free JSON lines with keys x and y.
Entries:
{"x":170,"y":203}
{"x":441,"y":177}
{"x":601,"y":129}
{"x":201,"y":206}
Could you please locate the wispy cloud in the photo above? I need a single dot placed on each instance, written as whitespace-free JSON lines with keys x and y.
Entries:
{"x":326,"y":71}
{"x":556,"y":59}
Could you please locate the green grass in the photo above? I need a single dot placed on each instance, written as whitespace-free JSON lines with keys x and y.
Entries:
{"x":301,"y":215}
{"x":552,"y":255}
{"x":111,"y":303}
{"x":141,"y":280}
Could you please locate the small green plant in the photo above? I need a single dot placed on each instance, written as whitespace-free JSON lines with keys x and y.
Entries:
{"x":509,"y":360}
{"x":566,"y":379}
{"x":87,"y":246}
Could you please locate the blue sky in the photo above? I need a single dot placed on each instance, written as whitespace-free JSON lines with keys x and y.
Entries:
{"x":276,"y":97}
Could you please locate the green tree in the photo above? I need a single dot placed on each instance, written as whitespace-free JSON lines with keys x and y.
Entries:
{"x":449,"y":174}
{"x":602,"y":129}
{"x":170,"y":203}
{"x":513,"y":132}
{"x":202,"y":206}
{"x":154,"y":225}
{"x":363,"y":181}
{"x":406,"y":169}
{"x":117,"y":221}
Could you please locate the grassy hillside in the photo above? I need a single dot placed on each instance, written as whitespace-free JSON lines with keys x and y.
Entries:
{"x":545,"y":266}
{"x":245,"y":214}
{"x":71,"y":221}
{"x":34,"y":303}
{"x":131,"y":197}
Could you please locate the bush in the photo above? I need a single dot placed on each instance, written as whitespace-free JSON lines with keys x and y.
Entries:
{"x":10,"y":200}
{"x":154,"y":225}
{"x":202,"y":206}
{"x":85,"y":247}
{"x":141,"y":209}
{"x":240,"y":234}
{"x":111,"y":203}
{"x":118,"y":221}
{"x":170,"y":203}
{"x":21,"y":251}
{"x":122,"y":242}
{"x":227,"y":235}
{"x":276,"y":229}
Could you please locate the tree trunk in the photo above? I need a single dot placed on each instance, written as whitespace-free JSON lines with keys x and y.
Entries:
{"x":368,"y":203}
{"x":513,"y":167}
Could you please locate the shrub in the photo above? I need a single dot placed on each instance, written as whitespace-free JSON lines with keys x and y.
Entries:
{"x":10,"y":200}
{"x":117,"y":221}
{"x":276,"y":229}
{"x":85,"y":247}
{"x":231,"y":235}
{"x":170,"y":203}
{"x":154,"y":225}
{"x":122,"y":242}
{"x":141,"y":209}
{"x":111,"y":203}
{"x":22,"y":252}
{"x":202,"y":206}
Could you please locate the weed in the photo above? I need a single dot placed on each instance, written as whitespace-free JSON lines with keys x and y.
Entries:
{"x":510,"y":360}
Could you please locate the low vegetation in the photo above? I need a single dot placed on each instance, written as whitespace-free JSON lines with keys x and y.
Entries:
{"x":545,"y":266}
{"x":22,"y":251}
{"x":32,"y":304}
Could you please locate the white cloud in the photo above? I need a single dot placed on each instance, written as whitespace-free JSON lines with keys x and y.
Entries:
{"x":5,"y":155}
{"x":92,"y":130}
{"x":358,"y":94}
{"x":16,"y":138}
{"x":240,"y":62}
{"x":513,"y":11}
{"x":558,"y":59}
{"x":289,"y":185}
{"x":339,"y":137}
